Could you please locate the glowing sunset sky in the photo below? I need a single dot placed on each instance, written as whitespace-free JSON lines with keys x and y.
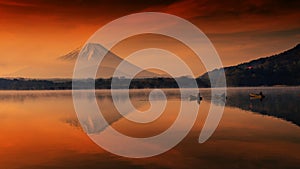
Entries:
{"x":37,"y":32}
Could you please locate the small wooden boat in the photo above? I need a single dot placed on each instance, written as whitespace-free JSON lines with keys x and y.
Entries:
{"x":198,"y":98}
{"x":256,"y":96}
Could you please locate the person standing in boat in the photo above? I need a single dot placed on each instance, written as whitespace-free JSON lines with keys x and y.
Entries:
{"x":199,"y":96}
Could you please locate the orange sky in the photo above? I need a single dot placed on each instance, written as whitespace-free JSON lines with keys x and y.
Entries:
{"x":36,"y":33}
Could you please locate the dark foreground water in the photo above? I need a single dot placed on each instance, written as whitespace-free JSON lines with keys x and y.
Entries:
{"x":39,"y":129}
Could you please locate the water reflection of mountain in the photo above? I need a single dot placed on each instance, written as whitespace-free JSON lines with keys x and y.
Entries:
{"x":280,"y":102}
{"x":92,"y":123}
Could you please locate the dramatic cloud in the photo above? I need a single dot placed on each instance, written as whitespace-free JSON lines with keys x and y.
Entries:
{"x":38,"y":31}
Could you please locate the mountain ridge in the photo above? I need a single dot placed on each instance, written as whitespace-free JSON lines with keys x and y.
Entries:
{"x":278,"y":69}
{"x":108,"y":64}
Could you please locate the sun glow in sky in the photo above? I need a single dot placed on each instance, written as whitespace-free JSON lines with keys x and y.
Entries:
{"x":35,"y":33}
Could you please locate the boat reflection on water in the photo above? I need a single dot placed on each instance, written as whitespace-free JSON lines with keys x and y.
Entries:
{"x":278,"y":102}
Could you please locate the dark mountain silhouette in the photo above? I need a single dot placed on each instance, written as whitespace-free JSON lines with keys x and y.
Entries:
{"x":280,"y":69}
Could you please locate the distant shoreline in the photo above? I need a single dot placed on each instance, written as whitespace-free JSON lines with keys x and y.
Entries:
{"x":203,"y":88}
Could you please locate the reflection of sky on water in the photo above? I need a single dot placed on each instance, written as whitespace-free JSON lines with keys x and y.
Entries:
{"x":280,"y":102}
{"x":40,"y":129}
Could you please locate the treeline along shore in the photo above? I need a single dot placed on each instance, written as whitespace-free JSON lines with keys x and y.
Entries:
{"x":36,"y":84}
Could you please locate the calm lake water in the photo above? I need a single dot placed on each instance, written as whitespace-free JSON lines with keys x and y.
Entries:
{"x":39,"y":129}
